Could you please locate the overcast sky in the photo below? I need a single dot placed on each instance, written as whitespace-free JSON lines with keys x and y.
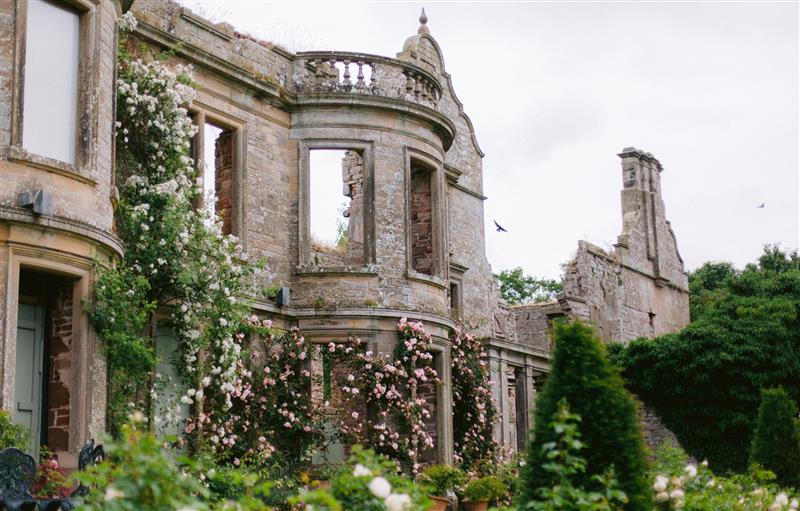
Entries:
{"x":556,"y":89}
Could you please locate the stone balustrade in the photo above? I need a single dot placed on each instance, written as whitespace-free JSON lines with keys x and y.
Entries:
{"x":359,"y":73}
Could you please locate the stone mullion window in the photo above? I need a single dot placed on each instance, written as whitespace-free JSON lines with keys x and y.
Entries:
{"x":216,"y":151}
{"x":425,"y":217}
{"x":355,"y":175}
{"x":55,"y":131}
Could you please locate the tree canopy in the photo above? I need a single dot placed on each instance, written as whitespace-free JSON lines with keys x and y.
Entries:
{"x":518,"y":288}
{"x":705,"y":380}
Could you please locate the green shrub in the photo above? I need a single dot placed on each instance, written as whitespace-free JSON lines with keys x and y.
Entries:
{"x":564,"y":463}
{"x":582,"y":375}
{"x":704,"y":381}
{"x":11,"y":434}
{"x":485,"y":488}
{"x":441,"y":479}
{"x":508,"y":473}
{"x":140,"y":475}
{"x":367,"y":482}
{"x":776,"y":442}
{"x":678,"y":484}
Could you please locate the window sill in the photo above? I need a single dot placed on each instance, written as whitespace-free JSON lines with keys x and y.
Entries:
{"x":18,"y":154}
{"x":312,"y":270}
{"x":426,"y":279}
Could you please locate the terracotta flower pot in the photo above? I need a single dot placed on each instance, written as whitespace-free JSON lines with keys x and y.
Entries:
{"x":481,"y":505}
{"x":439,"y":503}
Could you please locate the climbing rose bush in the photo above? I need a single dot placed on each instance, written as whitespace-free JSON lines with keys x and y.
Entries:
{"x":271,"y":408}
{"x":474,"y":411}
{"x":388,"y":385}
{"x":176,"y":256}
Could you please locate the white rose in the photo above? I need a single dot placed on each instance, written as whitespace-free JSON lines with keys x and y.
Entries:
{"x":690,"y":470}
{"x":660,"y":484}
{"x":397,"y":502}
{"x":380,"y":487}
{"x":360,"y":470}
{"x":113,"y":493}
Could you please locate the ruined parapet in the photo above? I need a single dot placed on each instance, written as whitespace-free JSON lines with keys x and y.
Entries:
{"x":640,"y":289}
{"x":534,"y":324}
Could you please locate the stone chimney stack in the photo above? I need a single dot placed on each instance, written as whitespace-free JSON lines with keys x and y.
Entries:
{"x":647,"y":242}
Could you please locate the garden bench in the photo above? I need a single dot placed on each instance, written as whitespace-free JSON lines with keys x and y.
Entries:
{"x":18,"y":471}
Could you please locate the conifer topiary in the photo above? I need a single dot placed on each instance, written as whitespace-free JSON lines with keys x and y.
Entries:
{"x":582,"y":375}
{"x":776,"y":441}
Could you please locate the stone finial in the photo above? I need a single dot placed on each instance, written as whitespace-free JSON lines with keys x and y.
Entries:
{"x":423,"y":20}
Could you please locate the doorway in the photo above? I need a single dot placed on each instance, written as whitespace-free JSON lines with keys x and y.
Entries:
{"x":43,"y":370}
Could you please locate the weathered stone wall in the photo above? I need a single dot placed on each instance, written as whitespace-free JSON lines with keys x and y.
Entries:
{"x":640,"y":289}
{"x":533,"y":324}
{"x":81,"y":192}
{"x":353,"y":185}
{"x":223,"y":178}
{"x":654,"y":431}
{"x":59,"y":377}
{"x":67,"y":239}
{"x":421,"y":222}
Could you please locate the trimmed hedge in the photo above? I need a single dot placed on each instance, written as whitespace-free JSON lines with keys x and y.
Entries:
{"x":776,"y":442}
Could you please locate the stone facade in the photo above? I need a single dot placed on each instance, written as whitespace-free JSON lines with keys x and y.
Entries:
{"x":412,"y":171}
{"x":58,"y":237}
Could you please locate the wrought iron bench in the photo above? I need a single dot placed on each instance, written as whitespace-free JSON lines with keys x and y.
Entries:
{"x":18,"y":471}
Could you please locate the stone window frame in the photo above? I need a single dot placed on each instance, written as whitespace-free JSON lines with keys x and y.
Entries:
{"x":456,"y":277}
{"x":202,"y":113}
{"x":305,"y":258}
{"x":87,"y":398}
{"x":435,"y":166}
{"x":89,"y":20}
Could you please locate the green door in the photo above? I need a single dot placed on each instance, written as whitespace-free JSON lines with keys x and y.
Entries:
{"x":28,"y":377}
{"x":170,"y":413}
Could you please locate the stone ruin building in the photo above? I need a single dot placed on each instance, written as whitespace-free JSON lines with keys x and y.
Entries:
{"x":411,"y":178}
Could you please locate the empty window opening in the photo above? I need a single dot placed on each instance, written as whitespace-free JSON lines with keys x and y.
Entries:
{"x":336,"y":206}
{"x":217,"y":171}
{"x":552,"y":321}
{"x":43,"y":377}
{"x":50,"y":94}
{"x":332,"y":392}
{"x":520,"y":408}
{"x":421,"y":220}
{"x":513,"y":415}
{"x":455,"y":300}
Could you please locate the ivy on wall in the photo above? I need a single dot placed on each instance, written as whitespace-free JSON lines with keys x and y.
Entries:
{"x":704,"y":381}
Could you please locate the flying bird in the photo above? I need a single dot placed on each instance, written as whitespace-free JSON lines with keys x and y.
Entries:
{"x":761,"y":206}
{"x":499,"y":227}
